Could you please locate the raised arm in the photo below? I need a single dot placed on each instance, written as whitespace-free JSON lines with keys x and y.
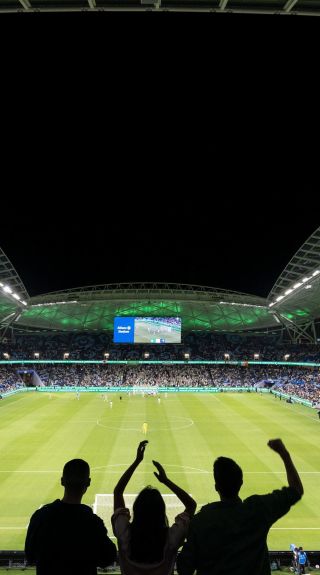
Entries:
{"x":184,"y":497}
{"x":293,"y":478}
{"x":118,"y":500}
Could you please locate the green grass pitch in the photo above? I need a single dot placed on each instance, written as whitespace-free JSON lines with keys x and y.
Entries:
{"x":186,"y":432}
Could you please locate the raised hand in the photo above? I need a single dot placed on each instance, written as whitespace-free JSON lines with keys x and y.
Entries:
{"x":140,"y":451}
{"x":277,"y":445}
{"x":161,"y":475}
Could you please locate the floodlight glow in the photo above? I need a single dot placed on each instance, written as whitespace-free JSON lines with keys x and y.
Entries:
{"x":187,"y":355}
{"x":308,"y":286}
{"x":256,"y":356}
{"x":7,"y":289}
{"x":280,"y":297}
{"x":6,"y":355}
{"x":297,"y":285}
{"x":24,"y":302}
{"x":1,"y":285}
{"x":15,"y":296}
{"x":304,"y":280}
{"x":288,"y":291}
{"x":106,"y":355}
{"x":271,"y":304}
{"x":316,"y":273}
{"x":65,"y":355}
{"x":286,"y":357}
{"x":36,"y":354}
{"x":146,"y":355}
{"x":226,"y":356}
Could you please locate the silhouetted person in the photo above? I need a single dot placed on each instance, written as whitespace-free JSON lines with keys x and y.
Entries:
{"x":229,"y":536}
{"x":147,"y":545}
{"x":65,"y":537}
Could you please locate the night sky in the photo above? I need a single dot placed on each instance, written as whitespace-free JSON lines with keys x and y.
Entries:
{"x":240,"y":243}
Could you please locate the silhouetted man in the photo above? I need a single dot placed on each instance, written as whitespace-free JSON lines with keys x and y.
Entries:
{"x":229,"y":536}
{"x":65,"y":537}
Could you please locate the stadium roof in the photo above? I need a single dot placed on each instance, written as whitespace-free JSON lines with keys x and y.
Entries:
{"x":303,"y":7}
{"x":13,"y":294}
{"x":296,"y":293}
{"x":94,"y":307}
{"x":293,"y":301}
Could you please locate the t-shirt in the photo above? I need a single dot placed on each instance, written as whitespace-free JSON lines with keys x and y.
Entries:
{"x":176,"y":535}
{"x":229,"y":537}
{"x":68,"y":539}
{"x":302,"y":558}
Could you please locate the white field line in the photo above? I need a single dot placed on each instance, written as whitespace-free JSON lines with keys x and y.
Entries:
{"x":202,"y":472}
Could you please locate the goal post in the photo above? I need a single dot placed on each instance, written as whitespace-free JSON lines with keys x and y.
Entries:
{"x":145,"y":389}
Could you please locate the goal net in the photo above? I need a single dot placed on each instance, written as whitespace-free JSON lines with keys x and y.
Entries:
{"x":145,"y":390}
{"x":103,"y":506}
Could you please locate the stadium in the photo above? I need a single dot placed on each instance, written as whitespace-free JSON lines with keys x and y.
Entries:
{"x":235,"y":370}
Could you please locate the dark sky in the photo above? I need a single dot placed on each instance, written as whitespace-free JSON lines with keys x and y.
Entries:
{"x":238,"y":243}
{"x":185,"y":170}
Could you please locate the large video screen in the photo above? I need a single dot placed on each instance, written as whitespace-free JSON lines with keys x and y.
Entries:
{"x":147,"y":330}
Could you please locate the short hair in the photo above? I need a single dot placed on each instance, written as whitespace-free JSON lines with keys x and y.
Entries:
{"x":228,"y":476}
{"x":76,"y":474}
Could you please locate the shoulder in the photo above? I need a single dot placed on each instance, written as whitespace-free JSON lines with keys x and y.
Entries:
{"x":286,"y":494}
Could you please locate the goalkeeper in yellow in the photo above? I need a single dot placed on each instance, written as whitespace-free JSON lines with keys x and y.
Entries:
{"x":144,"y":428}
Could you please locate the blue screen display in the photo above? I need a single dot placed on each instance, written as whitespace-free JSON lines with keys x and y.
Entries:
{"x":147,"y":330}
{"x":123,"y":330}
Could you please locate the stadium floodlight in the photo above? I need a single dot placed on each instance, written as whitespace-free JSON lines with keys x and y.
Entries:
{"x":308,"y":286}
{"x":66,"y":355}
{"x":24,"y":302}
{"x":256,"y":356}
{"x":15,"y":296}
{"x":36,"y":355}
{"x":226,"y":356}
{"x":286,"y":357}
{"x":272,"y":303}
{"x":297,"y":285}
{"x":6,"y":355}
{"x":7,"y":289}
{"x":106,"y":355}
{"x":280,"y":298}
{"x":146,"y":355}
{"x":288,"y":291}
{"x":1,"y":285}
{"x":187,"y":356}
{"x":315,"y":273}
{"x":304,"y":280}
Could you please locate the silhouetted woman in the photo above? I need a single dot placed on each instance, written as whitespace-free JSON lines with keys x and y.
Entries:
{"x":147,"y":545}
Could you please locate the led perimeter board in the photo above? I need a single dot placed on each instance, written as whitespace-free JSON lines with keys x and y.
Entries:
{"x":147,"y":330}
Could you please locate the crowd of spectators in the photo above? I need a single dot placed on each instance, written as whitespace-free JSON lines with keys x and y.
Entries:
{"x":200,"y":346}
{"x":9,"y":379}
{"x":303,"y":382}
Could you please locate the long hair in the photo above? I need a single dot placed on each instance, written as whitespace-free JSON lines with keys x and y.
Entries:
{"x":149,"y":527}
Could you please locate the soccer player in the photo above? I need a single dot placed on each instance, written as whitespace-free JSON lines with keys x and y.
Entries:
{"x":110,"y":404}
{"x":78,"y":395}
{"x":159,"y":400}
{"x":145,"y":428}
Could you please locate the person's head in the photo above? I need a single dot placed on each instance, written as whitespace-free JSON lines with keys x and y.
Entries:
{"x":76,"y":476}
{"x":300,"y":549}
{"x":228,"y":477}
{"x":149,"y":503}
